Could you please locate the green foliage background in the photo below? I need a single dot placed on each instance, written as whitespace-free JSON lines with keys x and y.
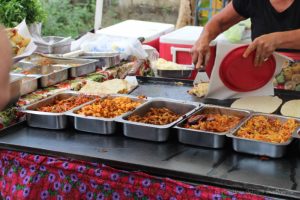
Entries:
{"x":76,"y":17}
{"x":59,"y":17}
{"x":66,"y":19}
{"x":12,"y":12}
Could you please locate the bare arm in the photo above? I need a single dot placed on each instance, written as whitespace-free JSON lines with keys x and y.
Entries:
{"x":218,"y":24}
{"x":265,"y":45}
{"x":288,"y":39}
{"x":5,"y":64}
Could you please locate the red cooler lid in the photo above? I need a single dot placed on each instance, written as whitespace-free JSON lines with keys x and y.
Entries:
{"x":239,"y":73}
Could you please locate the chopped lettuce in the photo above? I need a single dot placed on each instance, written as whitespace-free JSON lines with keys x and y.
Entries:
{"x":8,"y":115}
{"x":280,"y":78}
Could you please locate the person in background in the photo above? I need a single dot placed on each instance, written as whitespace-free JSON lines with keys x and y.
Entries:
{"x":5,"y":64}
{"x":275,"y":25}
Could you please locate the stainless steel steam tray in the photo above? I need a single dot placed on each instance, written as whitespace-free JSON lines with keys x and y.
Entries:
{"x":98,"y":125}
{"x":158,"y":133}
{"x":48,"y":120}
{"x":48,"y":75}
{"x":208,"y":138}
{"x":78,"y":67}
{"x":261,"y":148}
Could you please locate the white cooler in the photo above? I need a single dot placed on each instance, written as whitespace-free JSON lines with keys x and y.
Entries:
{"x":150,"y":31}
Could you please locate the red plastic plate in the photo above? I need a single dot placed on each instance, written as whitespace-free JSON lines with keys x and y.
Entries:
{"x":239,"y":74}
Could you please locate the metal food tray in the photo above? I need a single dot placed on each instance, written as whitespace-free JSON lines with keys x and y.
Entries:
{"x":22,"y":65}
{"x":59,"y":45}
{"x":15,"y":88}
{"x":84,"y":66}
{"x":48,"y":120}
{"x":98,"y":125}
{"x":28,"y":84}
{"x":105,"y":60}
{"x":55,"y":75}
{"x":182,"y":74}
{"x":296,"y":133}
{"x":157,"y":133}
{"x":260,"y":148}
{"x":208,"y":138}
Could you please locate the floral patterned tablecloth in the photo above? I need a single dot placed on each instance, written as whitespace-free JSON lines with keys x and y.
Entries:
{"x":27,"y":176}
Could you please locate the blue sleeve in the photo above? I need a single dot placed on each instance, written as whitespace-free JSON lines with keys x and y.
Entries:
{"x":242,"y":7}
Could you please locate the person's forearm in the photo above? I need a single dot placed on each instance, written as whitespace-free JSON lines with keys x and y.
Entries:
{"x":5,"y":64}
{"x":220,"y":23}
{"x":6,"y":59}
{"x":288,"y":39}
{"x":211,"y":31}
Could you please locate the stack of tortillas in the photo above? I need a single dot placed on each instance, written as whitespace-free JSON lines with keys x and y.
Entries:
{"x":264,"y":104}
{"x":291,"y":108}
{"x":113,"y":86}
{"x":199,"y":90}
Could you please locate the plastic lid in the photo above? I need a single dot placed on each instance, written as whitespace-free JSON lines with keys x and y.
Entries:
{"x":239,"y":74}
{"x":135,"y":29}
{"x":187,"y":35}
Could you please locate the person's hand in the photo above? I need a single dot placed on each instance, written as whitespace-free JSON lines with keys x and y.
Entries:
{"x":264,"y":45}
{"x":200,"y":52}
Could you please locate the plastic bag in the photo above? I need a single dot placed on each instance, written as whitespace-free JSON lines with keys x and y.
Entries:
{"x":152,"y":53}
{"x":104,"y":43}
{"x":238,"y":33}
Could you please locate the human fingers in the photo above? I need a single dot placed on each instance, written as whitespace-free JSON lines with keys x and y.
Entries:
{"x":259,"y":56}
{"x":199,"y":63}
{"x":250,"y":49}
{"x":195,"y":55}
